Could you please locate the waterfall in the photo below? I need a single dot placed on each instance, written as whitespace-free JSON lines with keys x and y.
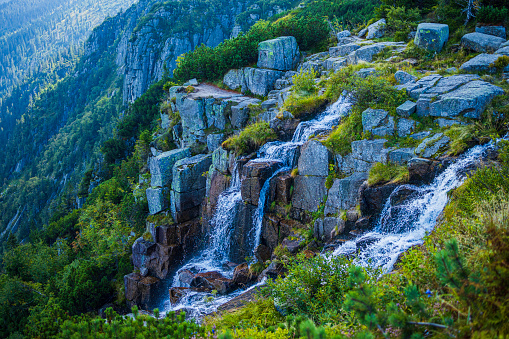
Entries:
{"x":404,"y":225}
{"x":215,"y":255}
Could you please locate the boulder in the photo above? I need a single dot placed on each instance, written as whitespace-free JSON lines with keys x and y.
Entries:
{"x":214,"y":141}
{"x":268,"y":104}
{"x":140,"y":290}
{"x":482,"y":43}
{"x":423,"y":104}
{"x":415,"y":89}
{"x":403,"y":77}
{"x":498,"y":31}
{"x":213,"y":281}
{"x":308,"y":193}
{"x":431,"y":36}
{"x":469,"y":100}
{"x":314,"y":159}
{"x":189,"y":186}
{"x":406,"y":109}
{"x":422,"y":171}
{"x":280,"y":54}
{"x":420,"y":135}
{"x":482,"y":63}
{"x":185,"y":277}
{"x":273,"y":271}
{"x":161,"y":166}
{"x":366,"y":53}
{"x":142,"y":252}
{"x":284,"y":128}
{"x":343,"y":50}
{"x":257,"y":81}
{"x":343,"y":34}
{"x":430,"y":146}
{"x":177,"y":293}
{"x":242,"y":275}
{"x":254,"y":175}
{"x":294,"y":243}
{"x":349,"y":164}
{"x":344,"y":193}
{"x":376,"y":30}
{"x":401,"y":156}
{"x":262,"y":253}
{"x":405,"y":127}
{"x":377,"y":122}
{"x":335,"y":63}
{"x":503,"y":51}
{"x":157,"y":199}
{"x":450,"y":83}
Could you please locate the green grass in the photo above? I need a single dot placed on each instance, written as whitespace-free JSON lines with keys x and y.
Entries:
{"x":251,"y":138}
{"x":387,"y":173}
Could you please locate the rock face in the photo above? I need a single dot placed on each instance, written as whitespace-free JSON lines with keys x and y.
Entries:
{"x":314,"y":159}
{"x":482,"y":43}
{"x":157,"y":199}
{"x":469,"y":100}
{"x":139,"y":290}
{"x":257,"y":81}
{"x":309,"y":192}
{"x":406,"y":109}
{"x":422,"y":171}
{"x":431,"y":36}
{"x":344,"y":193}
{"x":430,"y":146}
{"x":482,"y":63}
{"x":160,"y":167}
{"x":377,"y":122}
{"x":343,"y":50}
{"x":405,"y":127}
{"x":366,"y":53}
{"x":281,"y":54}
{"x":188,"y":187}
{"x":326,"y":227}
{"x":404,"y":77}
{"x":498,"y":31}
{"x":364,"y":154}
{"x":372,"y":199}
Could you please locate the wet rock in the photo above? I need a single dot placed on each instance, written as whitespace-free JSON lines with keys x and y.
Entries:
{"x":403,"y":77}
{"x":220,"y":160}
{"x":401,"y":156}
{"x":213,"y":281}
{"x":157,"y":199}
{"x":284,"y":128}
{"x":142,"y":251}
{"x":377,"y":122}
{"x":309,"y":192}
{"x":242,"y":225}
{"x":262,"y":253}
{"x":177,"y":293}
{"x":283,"y":186}
{"x":405,"y":127}
{"x":482,"y":63}
{"x":242,"y":275}
{"x":273,"y":271}
{"x":314,"y":159}
{"x":140,"y":290}
{"x":281,"y":53}
{"x":431,"y":36}
{"x":372,"y":199}
{"x":217,"y":183}
{"x":254,"y":175}
{"x":344,"y":193}
{"x":161,"y":166}
{"x":482,"y":43}
{"x":498,"y":31}
{"x":406,"y":109}
{"x":422,"y":171}
{"x":363,"y":223}
{"x":469,"y":100}
{"x":376,"y":30}
{"x":185,"y":277}
{"x":323,"y":228}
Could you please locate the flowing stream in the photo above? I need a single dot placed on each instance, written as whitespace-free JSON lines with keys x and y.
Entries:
{"x":215,"y":256}
{"x":403,"y":225}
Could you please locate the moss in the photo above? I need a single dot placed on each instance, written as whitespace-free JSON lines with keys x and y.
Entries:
{"x":387,"y":173}
{"x":252,"y":137}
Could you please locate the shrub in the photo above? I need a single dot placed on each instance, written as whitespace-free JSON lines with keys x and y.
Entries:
{"x":390,"y":172}
{"x":501,"y":63}
{"x":492,"y":15}
{"x":305,"y":106}
{"x":401,"y":21}
{"x":304,"y":82}
{"x":340,"y":140}
{"x":252,"y":137}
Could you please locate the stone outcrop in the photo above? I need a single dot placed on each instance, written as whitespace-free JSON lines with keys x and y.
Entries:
{"x":406,"y":109}
{"x":482,"y":43}
{"x":314,"y":159}
{"x":403,"y":77}
{"x":280,"y":54}
{"x":344,"y":193}
{"x":139,"y":290}
{"x":188,"y":187}
{"x":482,"y":63}
{"x":366,"y":53}
{"x":157,"y":199}
{"x":377,"y":122}
{"x":430,"y":146}
{"x":255,"y":80}
{"x":254,"y":175}
{"x":364,"y":154}
{"x":431,"y":36}
{"x":161,"y":166}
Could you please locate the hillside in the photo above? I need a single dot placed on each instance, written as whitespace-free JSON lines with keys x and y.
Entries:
{"x":339,"y":170}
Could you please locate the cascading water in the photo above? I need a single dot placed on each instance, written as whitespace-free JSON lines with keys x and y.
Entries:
{"x":215,"y":256}
{"x":404,"y":225}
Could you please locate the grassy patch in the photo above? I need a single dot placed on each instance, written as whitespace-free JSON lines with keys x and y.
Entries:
{"x":252,"y":137}
{"x":387,"y":173}
{"x":305,"y":106}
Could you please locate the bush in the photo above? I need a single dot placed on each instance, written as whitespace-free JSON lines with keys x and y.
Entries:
{"x":492,"y":15}
{"x":305,"y":106}
{"x":340,"y":139}
{"x":304,"y":82}
{"x":252,"y":137}
{"x":390,"y":172}
{"x":401,"y":21}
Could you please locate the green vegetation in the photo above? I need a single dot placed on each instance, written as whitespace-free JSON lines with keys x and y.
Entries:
{"x":387,"y":173}
{"x":304,"y":101}
{"x":250,"y":139}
